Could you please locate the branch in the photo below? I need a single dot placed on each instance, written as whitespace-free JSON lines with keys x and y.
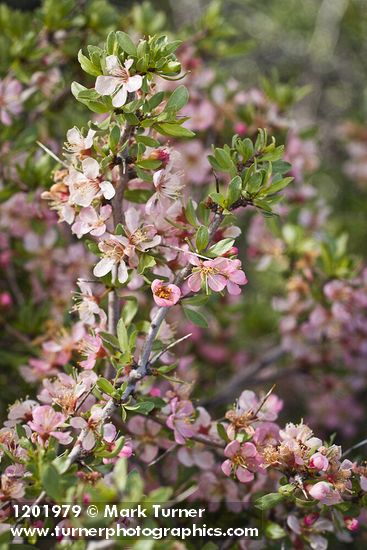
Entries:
{"x":229,"y":392}
{"x":143,"y":366}
{"x":113,"y":310}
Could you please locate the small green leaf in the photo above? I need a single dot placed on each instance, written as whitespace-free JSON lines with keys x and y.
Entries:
{"x":122,"y":336}
{"x":87,"y":65}
{"x":195,"y":317}
{"x":268,"y":501}
{"x":221,"y":247}
{"x":202,"y":238}
{"x":125,"y":42}
{"x":274,"y":531}
{"x":234,"y":190}
{"x":105,"y":386}
{"x":130,"y":309}
{"x":51,"y":482}
{"x":175,"y":130}
{"x":110,"y":339}
{"x":178,"y":99}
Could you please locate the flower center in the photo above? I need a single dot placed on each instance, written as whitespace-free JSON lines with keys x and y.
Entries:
{"x":163,"y":292}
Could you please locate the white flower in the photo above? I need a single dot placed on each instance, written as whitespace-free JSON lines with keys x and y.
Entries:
{"x":119,"y":82}
{"x":86,"y":186}
{"x":90,"y":221}
{"x":114,"y":252}
{"x":76,"y":142}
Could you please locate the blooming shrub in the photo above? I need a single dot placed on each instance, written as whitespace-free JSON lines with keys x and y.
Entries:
{"x":150,"y":232}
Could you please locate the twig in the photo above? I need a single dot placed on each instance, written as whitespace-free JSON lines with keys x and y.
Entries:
{"x":354,"y":447}
{"x":235,"y":385}
{"x":163,"y":351}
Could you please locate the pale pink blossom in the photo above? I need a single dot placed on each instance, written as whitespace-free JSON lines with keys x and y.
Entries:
{"x":119,"y":82}
{"x":167,"y":186}
{"x":21,"y":411}
{"x":45,"y":422}
{"x":92,"y":348}
{"x":165,"y":294}
{"x":242,"y":461}
{"x":92,"y":428}
{"x":86,"y":305}
{"x":216,"y":274}
{"x":266,"y":410}
{"x":91,"y":221}
{"x":59,"y":199}
{"x":319,"y":461}
{"x":145,"y":434}
{"x":88,"y":185}
{"x":114,"y":253}
{"x":10,"y":99}
{"x":11,"y":489}
{"x":325,"y":493}
{"x":180,"y":420}
{"x":109,"y":434}
{"x":76,"y":142}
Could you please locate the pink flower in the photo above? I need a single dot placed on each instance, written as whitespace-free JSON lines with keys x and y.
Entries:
{"x":10,"y":99}
{"x":88,"y":185}
{"x":109,"y":434}
{"x":167,"y":188}
{"x":119,"y":82}
{"x":92,"y":347}
{"x":352,"y":524}
{"x":91,"y":427}
{"x":145,"y":434}
{"x":89,"y":221}
{"x":6,"y":300}
{"x":216,"y":275}
{"x":319,"y":462}
{"x":45,"y":422}
{"x":242,"y":460}
{"x":87,"y":306}
{"x":325,"y":493}
{"x":165,"y":294}
{"x":179,"y":420}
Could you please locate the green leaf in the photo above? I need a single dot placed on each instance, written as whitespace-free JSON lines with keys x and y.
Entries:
{"x":175,"y":130}
{"x":110,"y":339}
{"x":278,"y":186}
{"x":147,"y":140}
{"x":140,"y":196}
{"x":51,"y":482}
{"x":223,"y":159}
{"x":145,"y":262}
{"x":120,"y":474}
{"x":130,"y":309}
{"x":122,"y":335}
{"x":125,"y":42}
{"x":234,"y":190}
{"x":149,"y":164}
{"x":178,"y":99}
{"x":268,"y":501}
{"x":221,"y":247}
{"x":222,"y":432}
{"x":165,"y":369}
{"x":190,"y":213}
{"x":274,"y":531}
{"x":195,"y":317}
{"x":87,"y":65}
{"x":114,"y":137}
{"x":106,"y":386}
{"x":202,"y":238}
